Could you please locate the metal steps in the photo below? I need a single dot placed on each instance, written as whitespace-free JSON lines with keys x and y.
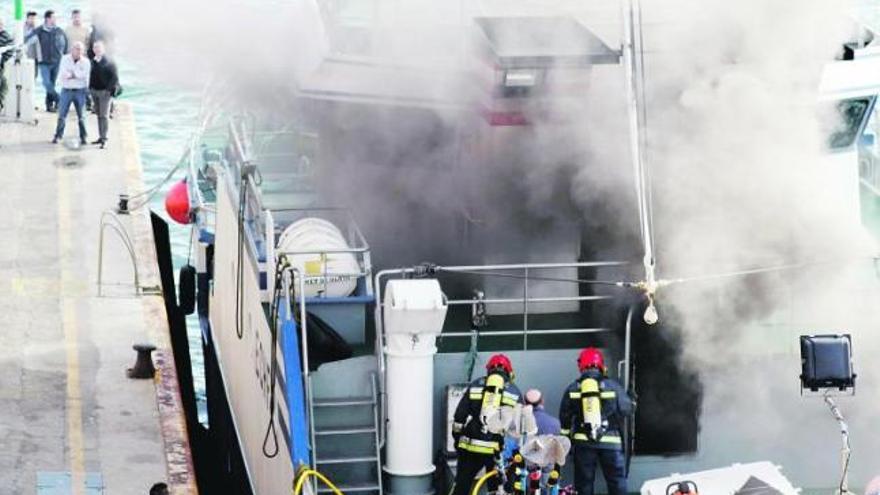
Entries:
{"x":346,"y":460}
{"x":346,"y":430}
{"x":344,"y":402}
{"x":355,"y":488}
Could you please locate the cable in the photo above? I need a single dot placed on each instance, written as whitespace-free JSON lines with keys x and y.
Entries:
{"x":280,"y":266}
{"x":239,"y":279}
{"x":757,"y":271}
{"x":538,"y":278}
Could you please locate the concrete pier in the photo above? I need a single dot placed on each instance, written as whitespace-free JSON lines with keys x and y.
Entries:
{"x":70,"y":418}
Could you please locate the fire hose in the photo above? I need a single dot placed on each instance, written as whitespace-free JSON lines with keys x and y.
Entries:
{"x":300,"y":482}
{"x":483,"y":480}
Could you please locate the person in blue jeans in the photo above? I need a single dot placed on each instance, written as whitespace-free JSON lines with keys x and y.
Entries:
{"x":50,"y":44}
{"x":74,"y":70}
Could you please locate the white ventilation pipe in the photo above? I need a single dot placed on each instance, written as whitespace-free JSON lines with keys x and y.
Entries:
{"x":414,"y":312}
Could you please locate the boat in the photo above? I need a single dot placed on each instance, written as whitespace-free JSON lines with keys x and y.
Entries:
{"x":334,"y":352}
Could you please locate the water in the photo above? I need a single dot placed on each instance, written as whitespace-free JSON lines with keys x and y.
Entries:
{"x":165,"y":118}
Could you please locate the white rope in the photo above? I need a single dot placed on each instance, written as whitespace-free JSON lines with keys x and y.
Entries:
{"x":635,"y":94}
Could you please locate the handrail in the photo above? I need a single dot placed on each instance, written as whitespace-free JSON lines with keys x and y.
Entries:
{"x":379,"y":322}
{"x":376,"y":415}
{"x":304,"y":343}
{"x":513,"y":333}
{"x":117,"y":226}
{"x":361,"y":244}
{"x":532,"y":300}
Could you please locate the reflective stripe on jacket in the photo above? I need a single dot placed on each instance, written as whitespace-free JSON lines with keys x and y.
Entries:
{"x":467,"y":427}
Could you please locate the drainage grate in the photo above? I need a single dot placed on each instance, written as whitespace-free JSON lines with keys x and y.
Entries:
{"x":49,"y":483}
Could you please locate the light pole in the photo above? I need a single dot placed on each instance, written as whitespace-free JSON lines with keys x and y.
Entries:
{"x":19,"y":20}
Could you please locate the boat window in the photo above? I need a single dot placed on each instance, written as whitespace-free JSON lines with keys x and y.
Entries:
{"x":850,"y":115}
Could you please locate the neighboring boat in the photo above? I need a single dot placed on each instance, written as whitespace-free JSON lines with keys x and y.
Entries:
{"x":330,"y":346}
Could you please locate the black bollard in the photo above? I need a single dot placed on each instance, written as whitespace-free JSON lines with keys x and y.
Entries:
{"x":143,"y":367}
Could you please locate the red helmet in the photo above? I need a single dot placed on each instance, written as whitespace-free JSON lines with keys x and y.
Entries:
{"x":499,"y":361}
{"x":591,"y":358}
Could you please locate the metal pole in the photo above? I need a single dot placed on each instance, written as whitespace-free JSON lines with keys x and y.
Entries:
{"x":525,"y":309}
{"x":845,"y":450}
{"x":627,"y":347}
{"x":19,"y":19}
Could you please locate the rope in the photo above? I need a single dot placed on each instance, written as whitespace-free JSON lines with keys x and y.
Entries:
{"x":280,"y":266}
{"x":239,"y":278}
{"x":758,"y":271}
{"x":297,"y":489}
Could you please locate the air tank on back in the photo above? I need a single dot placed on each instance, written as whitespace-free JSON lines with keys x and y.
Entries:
{"x":318,"y":249}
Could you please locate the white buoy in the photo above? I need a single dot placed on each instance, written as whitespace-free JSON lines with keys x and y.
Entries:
{"x":313,"y":246}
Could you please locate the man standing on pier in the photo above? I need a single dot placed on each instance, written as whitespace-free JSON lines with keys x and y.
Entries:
{"x":104,"y":84}
{"x":74,"y":71}
{"x":51,"y":44}
{"x":77,"y":31}
{"x":6,"y":41}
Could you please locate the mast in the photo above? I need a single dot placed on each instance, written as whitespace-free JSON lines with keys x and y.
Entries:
{"x":633,"y":63}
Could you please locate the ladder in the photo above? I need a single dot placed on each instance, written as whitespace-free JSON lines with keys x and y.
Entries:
{"x":346,"y":445}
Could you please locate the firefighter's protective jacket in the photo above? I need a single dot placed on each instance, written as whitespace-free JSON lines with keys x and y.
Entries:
{"x":468,"y":429}
{"x":579,"y":402}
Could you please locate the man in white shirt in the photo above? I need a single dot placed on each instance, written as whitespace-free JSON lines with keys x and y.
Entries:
{"x":74,"y":75}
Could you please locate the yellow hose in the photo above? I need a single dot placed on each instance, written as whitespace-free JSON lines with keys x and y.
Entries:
{"x":297,"y":489}
{"x":482,"y":481}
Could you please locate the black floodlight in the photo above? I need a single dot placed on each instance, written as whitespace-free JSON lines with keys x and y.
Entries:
{"x":826,"y":362}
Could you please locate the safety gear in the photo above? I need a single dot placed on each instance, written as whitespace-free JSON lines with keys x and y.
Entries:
{"x":591,"y":358}
{"x":514,"y":474}
{"x":593,"y":409}
{"x":485,"y":397}
{"x":499,"y":360}
{"x":535,"y":482}
{"x":553,"y":480}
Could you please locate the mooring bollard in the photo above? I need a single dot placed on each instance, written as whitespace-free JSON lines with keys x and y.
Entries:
{"x":143,"y":367}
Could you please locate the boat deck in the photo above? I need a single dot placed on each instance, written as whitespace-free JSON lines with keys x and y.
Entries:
{"x":70,"y":419}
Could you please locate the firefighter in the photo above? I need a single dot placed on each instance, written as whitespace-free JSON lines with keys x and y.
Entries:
{"x":477,"y":446}
{"x":591,"y":414}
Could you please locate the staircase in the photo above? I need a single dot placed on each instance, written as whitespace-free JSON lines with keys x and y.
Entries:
{"x":346,"y":433}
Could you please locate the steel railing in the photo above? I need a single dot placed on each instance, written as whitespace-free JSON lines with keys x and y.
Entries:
{"x":289,"y":276}
{"x":358,"y":246}
{"x":528,"y":270}
{"x":110,"y":219}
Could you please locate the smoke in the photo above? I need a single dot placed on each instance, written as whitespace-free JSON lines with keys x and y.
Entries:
{"x":737,"y":151}
{"x":742,"y":179}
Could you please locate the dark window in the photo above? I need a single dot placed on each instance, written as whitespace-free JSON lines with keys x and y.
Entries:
{"x":851,"y":114}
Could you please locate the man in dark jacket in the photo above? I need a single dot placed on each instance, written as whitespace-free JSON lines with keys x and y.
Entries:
{"x":592,"y":412}
{"x":51,"y":45}
{"x":103,"y":83}
{"x":6,"y":41}
{"x":477,"y":446}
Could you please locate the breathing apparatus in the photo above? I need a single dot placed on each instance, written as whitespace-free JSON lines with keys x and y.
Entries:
{"x":591,"y":409}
